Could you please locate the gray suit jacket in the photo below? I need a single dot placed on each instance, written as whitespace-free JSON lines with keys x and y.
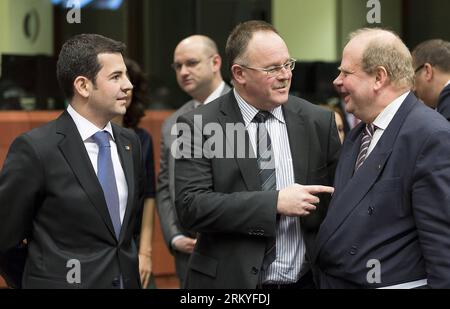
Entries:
{"x":165,"y":194}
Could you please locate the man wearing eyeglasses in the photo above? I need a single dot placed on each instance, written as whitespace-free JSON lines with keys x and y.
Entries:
{"x":431,"y":61}
{"x":197,"y":65}
{"x":257,"y":214}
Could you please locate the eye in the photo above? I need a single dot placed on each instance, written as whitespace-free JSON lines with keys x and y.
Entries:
{"x":273,"y":70}
{"x":191,"y":63}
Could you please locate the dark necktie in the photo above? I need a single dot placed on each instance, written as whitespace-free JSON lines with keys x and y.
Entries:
{"x":266,"y":163}
{"x":365,"y":143}
{"x":107,"y":178}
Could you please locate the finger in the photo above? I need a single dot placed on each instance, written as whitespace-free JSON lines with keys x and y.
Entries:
{"x":145,"y":283}
{"x":309,"y":207}
{"x":319,"y":189}
{"x":312,"y":199}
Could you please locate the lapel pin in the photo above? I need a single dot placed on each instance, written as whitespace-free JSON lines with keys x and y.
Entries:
{"x":127,"y":148}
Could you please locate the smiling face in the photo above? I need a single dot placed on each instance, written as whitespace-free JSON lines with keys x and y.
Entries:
{"x":108,"y":96}
{"x":353,"y":84}
{"x":266,"y":49}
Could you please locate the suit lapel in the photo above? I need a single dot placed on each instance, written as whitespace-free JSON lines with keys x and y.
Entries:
{"x":356,"y":188}
{"x":124,"y":149}
{"x":351,"y":151}
{"x":230,"y":113}
{"x":299,"y":136}
{"x":76,"y":155}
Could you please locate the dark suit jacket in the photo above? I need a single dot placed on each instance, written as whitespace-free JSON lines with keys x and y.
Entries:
{"x":165,"y":197}
{"x":394,"y":209}
{"x":444,"y":103}
{"x":50,"y":195}
{"x":222,"y":199}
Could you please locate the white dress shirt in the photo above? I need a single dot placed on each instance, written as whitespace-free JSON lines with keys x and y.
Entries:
{"x":214,"y":95}
{"x":384,"y":119}
{"x":87,"y":129}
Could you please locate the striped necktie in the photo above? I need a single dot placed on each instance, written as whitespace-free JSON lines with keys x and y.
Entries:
{"x":266,"y":163}
{"x":365,"y":143}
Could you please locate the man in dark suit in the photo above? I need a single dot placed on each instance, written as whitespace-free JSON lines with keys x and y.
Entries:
{"x":73,"y":187}
{"x":197,"y":65}
{"x":252,"y":198}
{"x":388,"y":224}
{"x":431,"y":61}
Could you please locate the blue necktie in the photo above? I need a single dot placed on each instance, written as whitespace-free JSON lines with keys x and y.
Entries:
{"x":107,"y":178}
{"x":267,"y":175}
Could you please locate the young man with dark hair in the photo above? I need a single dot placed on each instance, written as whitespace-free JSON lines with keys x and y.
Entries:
{"x":72,"y":187}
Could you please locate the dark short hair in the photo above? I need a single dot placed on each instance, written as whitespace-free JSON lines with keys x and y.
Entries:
{"x":138,"y":104}
{"x":240,"y":37}
{"x":78,"y":57}
{"x":435,"y":52}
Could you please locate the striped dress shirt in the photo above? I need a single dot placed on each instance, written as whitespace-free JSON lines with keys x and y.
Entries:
{"x":290,"y":245}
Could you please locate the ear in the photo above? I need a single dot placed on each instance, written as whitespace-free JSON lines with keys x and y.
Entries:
{"x":429,"y":72}
{"x":238,"y":74}
{"x":82,"y":86}
{"x":381,"y":77}
{"x":217,"y":62}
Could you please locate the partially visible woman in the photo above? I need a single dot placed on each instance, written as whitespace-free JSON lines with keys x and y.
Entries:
{"x":135,"y":111}
{"x":339,"y":118}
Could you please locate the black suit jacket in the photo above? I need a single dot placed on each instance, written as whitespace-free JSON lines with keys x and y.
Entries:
{"x":394,"y":209}
{"x":444,"y":103}
{"x":222,"y":199}
{"x":50,"y":195}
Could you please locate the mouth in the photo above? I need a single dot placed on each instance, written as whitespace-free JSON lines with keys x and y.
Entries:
{"x":345,"y":96}
{"x":187,"y":82}
{"x":284,"y":86}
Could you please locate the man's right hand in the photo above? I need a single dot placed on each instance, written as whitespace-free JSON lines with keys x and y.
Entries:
{"x":298,"y":200}
{"x":184,"y":244}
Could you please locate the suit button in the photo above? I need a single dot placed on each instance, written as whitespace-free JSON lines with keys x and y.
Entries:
{"x":255,"y":271}
{"x":353,"y":250}
{"x":370,"y":210}
{"x":116,"y":282}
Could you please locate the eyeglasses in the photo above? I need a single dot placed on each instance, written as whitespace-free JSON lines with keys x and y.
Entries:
{"x":274,"y":70}
{"x":419,"y":68}
{"x":190,"y":64}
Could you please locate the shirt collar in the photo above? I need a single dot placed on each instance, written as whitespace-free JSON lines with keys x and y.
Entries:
{"x":385,"y":117}
{"x":85,"y":127}
{"x":214,"y":95}
{"x":448,"y":83}
{"x":249,"y":112}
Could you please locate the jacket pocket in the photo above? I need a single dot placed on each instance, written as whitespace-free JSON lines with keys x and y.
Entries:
{"x":203,"y":264}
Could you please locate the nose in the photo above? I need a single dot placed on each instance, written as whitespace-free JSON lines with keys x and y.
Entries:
{"x":183,"y":71}
{"x":127,"y":86}
{"x":338,"y":81}
{"x":285,"y":73}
